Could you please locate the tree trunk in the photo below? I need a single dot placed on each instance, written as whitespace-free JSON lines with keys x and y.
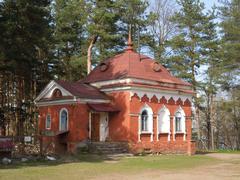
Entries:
{"x":236,"y":121}
{"x":89,"y":54}
{"x":196,"y":103}
{"x":211,"y":120}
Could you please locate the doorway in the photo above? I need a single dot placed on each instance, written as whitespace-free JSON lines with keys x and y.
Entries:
{"x":99,"y":126}
{"x":103,"y":126}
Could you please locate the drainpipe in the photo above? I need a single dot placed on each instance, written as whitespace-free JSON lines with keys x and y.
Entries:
{"x":89,"y":124}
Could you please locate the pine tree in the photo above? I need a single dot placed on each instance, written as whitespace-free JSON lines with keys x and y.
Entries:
{"x":187,"y":44}
{"x":92,"y":31}
{"x":192,"y":47}
{"x":70,"y":19}
{"x":134,"y":15}
{"x":230,"y":26}
{"x":109,"y":26}
{"x":24,"y":56}
{"x":210,"y":84}
{"x":102,"y":30}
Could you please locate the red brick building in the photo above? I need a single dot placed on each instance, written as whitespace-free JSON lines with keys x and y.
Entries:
{"x":127,"y":98}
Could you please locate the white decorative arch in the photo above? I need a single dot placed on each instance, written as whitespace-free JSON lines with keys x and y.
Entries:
{"x":180,"y":112}
{"x":163,"y":121}
{"x":159,"y":94}
{"x":61,"y":128}
{"x":149,"y":111}
{"x":146,"y":107}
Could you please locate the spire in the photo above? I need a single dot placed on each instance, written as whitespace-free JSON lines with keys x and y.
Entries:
{"x":129,"y":43}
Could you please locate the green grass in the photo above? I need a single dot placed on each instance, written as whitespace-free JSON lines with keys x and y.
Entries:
{"x":88,"y":166}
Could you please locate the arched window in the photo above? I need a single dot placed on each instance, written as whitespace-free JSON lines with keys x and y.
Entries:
{"x":164,"y":120}
{"x":144,"y":121}
{"x":48,"y":121}
{"x":178,"y":124}
{"x":63,"y":121}
{"x":57,"y":93}
{"x":179,"y":121}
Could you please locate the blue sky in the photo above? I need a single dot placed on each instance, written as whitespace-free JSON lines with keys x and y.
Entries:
{"x":210,"y":3}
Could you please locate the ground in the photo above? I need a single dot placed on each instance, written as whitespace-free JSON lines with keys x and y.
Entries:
{"x":207,"y":166}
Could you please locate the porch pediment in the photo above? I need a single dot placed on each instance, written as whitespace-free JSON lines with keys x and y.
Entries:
{"x":64,"y":92}
{"x":47,"y":92}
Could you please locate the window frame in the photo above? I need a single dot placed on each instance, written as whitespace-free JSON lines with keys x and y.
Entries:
{"x":144,"y":122}
{"x":149,"y":111}
{"x":60,"y":119}
{"x":178,"y":124}
{"x":46,"y":121}
{"x":180,"y":116}
{"x":57,"y":93}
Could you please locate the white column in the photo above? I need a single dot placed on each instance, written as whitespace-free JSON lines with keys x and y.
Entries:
{"x":157,"y":128}
{"x":169,"y":133}
{"x":184,"y":130}
{"x":152,"y":123}
{"x":139,"y":128}
{"x":174,"y":133}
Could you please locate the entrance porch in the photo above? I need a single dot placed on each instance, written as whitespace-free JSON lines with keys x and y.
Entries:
{"x":98,"y":130}
{"x":99,"y":121}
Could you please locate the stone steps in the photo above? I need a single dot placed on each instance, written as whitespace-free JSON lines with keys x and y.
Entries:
{"x":108,"y":147}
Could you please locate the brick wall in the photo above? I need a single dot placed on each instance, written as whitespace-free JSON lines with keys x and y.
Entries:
{"x":77,"y":124}
{"x":123,"y":125}
{"x":119,"y":121}
{"x":160,"y":144}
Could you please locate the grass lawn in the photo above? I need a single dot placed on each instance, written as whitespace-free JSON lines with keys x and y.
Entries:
{"x":89,"y":166}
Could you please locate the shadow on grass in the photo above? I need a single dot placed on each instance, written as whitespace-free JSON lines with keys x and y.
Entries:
{"x":64,"y":159}
{"x":204,"y":152}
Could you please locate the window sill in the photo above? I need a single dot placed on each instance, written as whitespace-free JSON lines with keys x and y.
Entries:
{"x":62,"y":132}
{"x":145,"y":132}
{"x":179,"y":132}
{"x":164,"y":133}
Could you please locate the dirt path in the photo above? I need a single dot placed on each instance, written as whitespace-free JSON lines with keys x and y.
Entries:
{"x":224,"y":156}
{"x":227,"y":169}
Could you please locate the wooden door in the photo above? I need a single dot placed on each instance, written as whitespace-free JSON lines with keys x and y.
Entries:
{"x":95,"y":126}
{"x":103,"y":126}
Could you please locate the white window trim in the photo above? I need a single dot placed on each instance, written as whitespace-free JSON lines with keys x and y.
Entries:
{"x":150,"y":122}
{"x":183,"y":123}
{"x":60,"y":113}
{"x":50,"y":121}
{"x":165,"y":110}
